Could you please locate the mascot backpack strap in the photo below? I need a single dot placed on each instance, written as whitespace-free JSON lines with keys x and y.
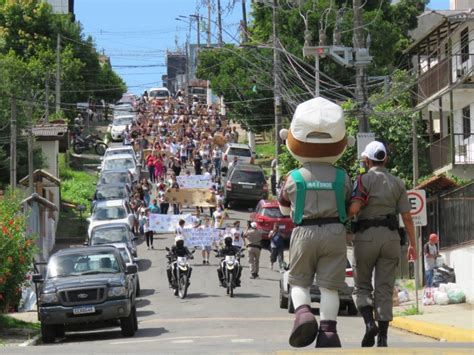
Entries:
{"x":300,"y":196}
{"x":340,"y":197}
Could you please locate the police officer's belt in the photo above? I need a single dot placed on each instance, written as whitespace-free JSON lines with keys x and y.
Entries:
{"x":255,"y":246}
{"x":391,"y":221}
{"x":319,"y":221}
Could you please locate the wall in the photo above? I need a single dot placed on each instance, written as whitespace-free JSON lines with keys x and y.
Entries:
{"x":462,"y":260}
{"x":50,"y":152}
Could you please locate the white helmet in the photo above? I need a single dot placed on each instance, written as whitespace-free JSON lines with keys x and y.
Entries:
{"x":178,"y":238}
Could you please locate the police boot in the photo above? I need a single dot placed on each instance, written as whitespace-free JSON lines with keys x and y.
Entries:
{"x":305,"y":327}
{"x":327,"y":336}
{"x":382,"y":338}
{"x":371,"y":329}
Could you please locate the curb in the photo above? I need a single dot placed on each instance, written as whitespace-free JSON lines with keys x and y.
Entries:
{"x":437,"y":331}
{"x":31,"y":342}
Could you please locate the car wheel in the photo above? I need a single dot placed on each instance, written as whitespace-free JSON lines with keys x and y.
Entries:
{"x":127,"y":324}
{"x":291,"y":307}
{"x":135,"y":320}
{"x":352,"y":309}
{"x":283,"y":299}
{"x":48,"y":333}
{"x":60,"y":332}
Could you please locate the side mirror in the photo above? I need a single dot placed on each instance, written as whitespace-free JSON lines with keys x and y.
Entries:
{"x":99,"y":168}
{"x":88,"y":219}
{"x":37,"y":278}
{"x":131,"y":269}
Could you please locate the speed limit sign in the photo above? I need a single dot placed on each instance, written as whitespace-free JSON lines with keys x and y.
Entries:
{"x":417,"y":199}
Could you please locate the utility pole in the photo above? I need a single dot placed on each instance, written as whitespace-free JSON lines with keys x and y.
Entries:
{"x":276,"y":79}
{"x":244,"y":23}
{"x":208,"y":23}
{"x":30,"y":147}
{"x":58,"y":73}
{"x":13,"y":145}
{"x":361,"y":92}
{"x":46,"y":97}
{"x":219,"y":23}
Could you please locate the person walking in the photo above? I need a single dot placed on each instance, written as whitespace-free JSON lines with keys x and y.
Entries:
{"x":377,"y":198}
{"x":253,"y":238}
{"x":146,"y":229}
{"x":277,"y":246}
{"x":430,"y":252}
{"x":150,"y":163}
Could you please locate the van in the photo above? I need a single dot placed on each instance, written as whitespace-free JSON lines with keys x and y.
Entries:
{"x":159,"y":93}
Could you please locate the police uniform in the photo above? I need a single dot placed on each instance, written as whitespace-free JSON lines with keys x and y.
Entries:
{"x":377,"y":242}
{"x":254,"y":237}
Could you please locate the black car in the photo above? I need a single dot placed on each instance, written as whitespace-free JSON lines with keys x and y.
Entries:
{"x":105,"y":192}
{"x":245,"y":182}
{"x":85,"y":286}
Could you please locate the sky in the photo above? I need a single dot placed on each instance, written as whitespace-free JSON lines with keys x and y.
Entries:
{"x":139,"y":32}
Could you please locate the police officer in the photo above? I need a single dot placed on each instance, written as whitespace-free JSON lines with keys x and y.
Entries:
{"x":377,"y":199}
{"x":316,"y":195}
{"x":253,"y":238}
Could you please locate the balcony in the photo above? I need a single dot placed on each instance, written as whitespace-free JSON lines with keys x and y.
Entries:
{"x":442,"y":155}
{"x":434,"y":80}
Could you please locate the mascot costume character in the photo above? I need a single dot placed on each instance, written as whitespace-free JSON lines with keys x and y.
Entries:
{"x":316,"y":196}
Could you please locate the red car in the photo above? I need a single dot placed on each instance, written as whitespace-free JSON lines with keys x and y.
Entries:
{"x":266,"y":214}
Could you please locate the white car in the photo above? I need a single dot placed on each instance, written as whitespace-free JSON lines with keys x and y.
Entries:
{"x":118,"y":126}
{"x":126,"y":149}
{"x":159,"y":93}
{"x":232,"y":150}
{"x":129,"y":260}
{"x":122,"y":161}
{"x":111,"y":211}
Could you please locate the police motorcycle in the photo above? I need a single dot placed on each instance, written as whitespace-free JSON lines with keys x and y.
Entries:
{"x":230,"y":266}
{"x":180,"y":273}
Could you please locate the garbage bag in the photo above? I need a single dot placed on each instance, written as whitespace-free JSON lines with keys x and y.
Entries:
{"x":440,"y":297}
{"x":403,"y":296}
{"x":443,"y":275}
{"x":428,"y":299}
{"x":456,"y":296}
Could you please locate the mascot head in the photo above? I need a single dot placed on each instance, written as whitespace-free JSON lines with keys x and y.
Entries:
{"x":317,"y":132}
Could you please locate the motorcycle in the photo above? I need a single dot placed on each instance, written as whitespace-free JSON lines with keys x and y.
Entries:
{"x":230,"y":266}
{"x":80,"y":144}
{"x":180,"y":273}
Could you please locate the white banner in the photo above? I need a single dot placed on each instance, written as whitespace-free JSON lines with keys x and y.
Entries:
{"x":194,"y":181}
{"x":167,"y":223}
{"x":201,"y":237}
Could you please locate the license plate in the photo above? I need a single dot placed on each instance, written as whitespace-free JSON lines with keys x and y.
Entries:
{"x":247,"y":186}
{"x":282,"y":226}
{"x":83,"y":310}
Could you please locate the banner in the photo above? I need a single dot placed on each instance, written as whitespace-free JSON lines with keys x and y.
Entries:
{"x":191,"y":197}
{"x":201,"y":237}
{"x":167,"y":223}
{"x":194,"y":181}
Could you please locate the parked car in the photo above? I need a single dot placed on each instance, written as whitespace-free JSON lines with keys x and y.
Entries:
{"x":125,"y":149}
{"x":116,"y":176}
{"x":129,"y":260}
{"x":106,"y":212}
{"x":113,"y":233}
{"x":245,"y":182}
{"x":122,"y":161}
{"x":118,"y":125}
{"x":85,"y":286}
{"x":159,"y":93}
{"x":231,"y":150}
{"x":266,"y":214}
{"x":345,"y":295}
{"x":105,"y":192}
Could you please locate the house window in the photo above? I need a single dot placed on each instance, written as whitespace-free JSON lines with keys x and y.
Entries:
{"x":464,"y":45}
{"x":466,"y":122}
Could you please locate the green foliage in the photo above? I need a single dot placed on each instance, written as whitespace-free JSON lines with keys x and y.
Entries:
{"x":17,"y":249}
{"x":77,"y":187}
{"x":266,"y":150}
{"x":286,"y":162}
{"x":410,"y":311}
{"x":7,"y":322}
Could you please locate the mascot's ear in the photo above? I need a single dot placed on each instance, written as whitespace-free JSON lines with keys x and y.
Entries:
{"x":350,"y":141}
{"x":284,"y":134}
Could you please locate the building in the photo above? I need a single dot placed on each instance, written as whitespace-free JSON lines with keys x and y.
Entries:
{"x":62,"y":6}
{"x":442,"y":56}
{"x":175,"y":65}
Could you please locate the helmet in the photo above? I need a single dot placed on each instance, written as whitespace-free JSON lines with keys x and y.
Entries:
{"x":228,"y":240}
{"x":179,"y":241}
{"x":434,"y":238}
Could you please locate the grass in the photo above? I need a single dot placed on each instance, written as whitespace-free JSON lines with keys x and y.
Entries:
{"x":265,"y":150}
{"x":410,"y":311}
{"x":7,"y":322}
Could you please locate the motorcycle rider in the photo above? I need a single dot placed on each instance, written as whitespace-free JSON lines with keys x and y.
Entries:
{"x":177,"y":250}
{"x":228,"y":250}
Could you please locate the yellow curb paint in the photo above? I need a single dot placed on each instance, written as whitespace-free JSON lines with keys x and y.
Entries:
{"x":437,"y":331}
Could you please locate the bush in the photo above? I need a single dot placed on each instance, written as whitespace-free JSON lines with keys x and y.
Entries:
{"x":17,"y":249}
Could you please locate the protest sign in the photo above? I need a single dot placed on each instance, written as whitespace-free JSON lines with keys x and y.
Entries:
{"x":201,"y":237}
{"x":167,"y":223}
{"x":191,"y":197}
{"x":194,"y":181}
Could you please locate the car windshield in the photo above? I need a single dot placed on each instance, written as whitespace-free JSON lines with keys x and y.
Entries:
{"x":240,"y":152}
{"x":109,"y":236}
{"x":104,"y":213}
{"x":272,"y":212}
{"x":82,"y":264}
{"x":159,"y":93}
{"x":122,"y":121}
{"x":125,"y":256}
{"x":123,"y":163}
{"x":255,"y":177}
{"x":110,"y":193}
{"x":114,"y":178}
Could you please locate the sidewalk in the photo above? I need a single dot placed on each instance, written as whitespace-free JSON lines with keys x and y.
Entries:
{"x":452,"y":323}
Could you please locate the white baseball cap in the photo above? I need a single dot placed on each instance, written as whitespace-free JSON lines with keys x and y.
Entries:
{"x":253,"y":225}
{"x":375,"y":151}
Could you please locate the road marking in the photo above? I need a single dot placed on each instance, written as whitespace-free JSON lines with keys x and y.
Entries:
{"x":171,"y":339}
{"x":241,"y":340}
{"x":184,"y":341}
{"x":234,"y":319}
